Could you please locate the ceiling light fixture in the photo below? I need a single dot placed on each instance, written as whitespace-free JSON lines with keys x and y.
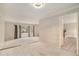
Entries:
{"x":38,"y":5}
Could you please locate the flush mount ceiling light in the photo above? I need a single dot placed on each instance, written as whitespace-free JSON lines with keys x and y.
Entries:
{"x":38,"y":5}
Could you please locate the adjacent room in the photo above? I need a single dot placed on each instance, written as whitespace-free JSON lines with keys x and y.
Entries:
{"x":39,"y":29}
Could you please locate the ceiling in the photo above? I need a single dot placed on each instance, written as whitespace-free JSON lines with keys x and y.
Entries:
{"x":26,"y":11}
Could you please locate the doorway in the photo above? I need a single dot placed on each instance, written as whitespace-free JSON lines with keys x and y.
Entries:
{"x":70,"y":32}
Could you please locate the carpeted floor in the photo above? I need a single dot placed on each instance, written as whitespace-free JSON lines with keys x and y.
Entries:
{"x":35,"y":49}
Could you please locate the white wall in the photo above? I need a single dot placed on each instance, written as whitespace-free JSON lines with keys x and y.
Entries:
{"x":78,"y":37}
{"x":49,"y":31}
{"x":9,"y":31}
{"x":70,"y":18}
{"x":28,"y":21}
{"x":2,"y":31}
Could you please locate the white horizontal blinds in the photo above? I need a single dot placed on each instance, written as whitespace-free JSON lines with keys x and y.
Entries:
{"x":19,"y":31}
{"x":33,"y":30}
{"x":28,"y":31}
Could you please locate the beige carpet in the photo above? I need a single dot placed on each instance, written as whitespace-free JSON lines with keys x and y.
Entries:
{"x":35,"y":49}
{"x":70,"y":44}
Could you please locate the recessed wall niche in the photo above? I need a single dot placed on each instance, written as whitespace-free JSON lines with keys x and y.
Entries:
{"x":20,"y":30}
